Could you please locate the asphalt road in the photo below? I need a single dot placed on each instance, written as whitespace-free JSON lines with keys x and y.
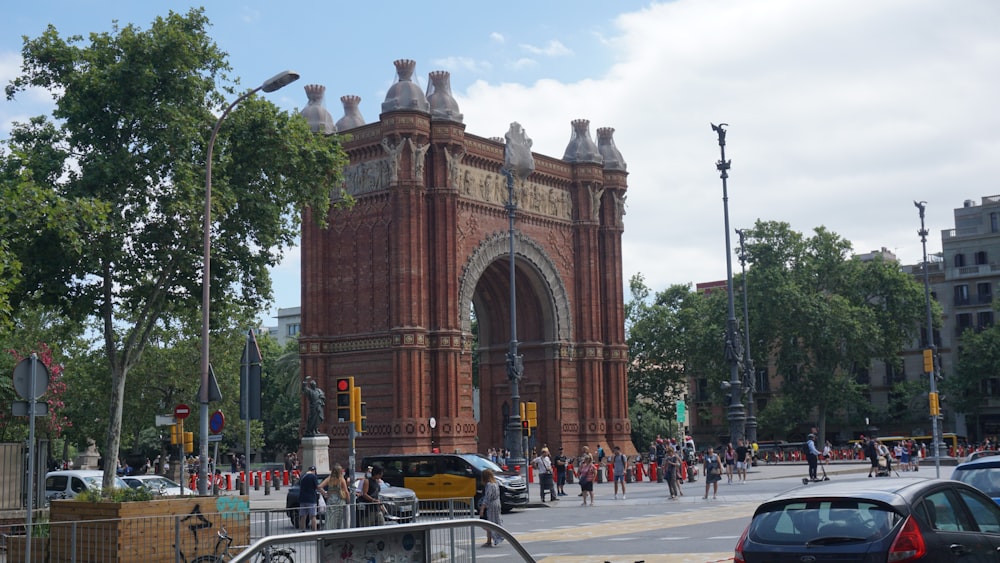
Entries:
{"x":646,"y":526}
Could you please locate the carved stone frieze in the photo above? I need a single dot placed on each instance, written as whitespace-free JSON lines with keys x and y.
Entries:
{"x":491,"y":188}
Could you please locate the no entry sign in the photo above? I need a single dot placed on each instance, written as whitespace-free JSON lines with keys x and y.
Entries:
{"x":181,"y":411}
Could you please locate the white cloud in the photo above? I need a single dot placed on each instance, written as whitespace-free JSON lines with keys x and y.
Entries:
{"x":497,"y":37}
{"x":521,"y":64}
{"x":463,"y":63}
{"x":551,"y":49}
{"x":840,"y":115}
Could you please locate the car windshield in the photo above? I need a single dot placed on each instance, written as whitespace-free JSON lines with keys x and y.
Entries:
{"x":157,"y":482}
{"x":96,"y":481}
{"x":986,"y":479}
{"x":798,"y":522}
{"x":482,"y":463}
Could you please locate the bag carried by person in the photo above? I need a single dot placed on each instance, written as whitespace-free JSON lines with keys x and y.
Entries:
{"x":714,"y":467}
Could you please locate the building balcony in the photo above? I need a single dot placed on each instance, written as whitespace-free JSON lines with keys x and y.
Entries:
{"x":976,"y":271}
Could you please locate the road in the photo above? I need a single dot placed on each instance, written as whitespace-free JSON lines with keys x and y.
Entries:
{"x":646,"y":526}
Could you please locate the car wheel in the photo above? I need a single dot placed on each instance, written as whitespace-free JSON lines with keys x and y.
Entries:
{"x":506,"y":508}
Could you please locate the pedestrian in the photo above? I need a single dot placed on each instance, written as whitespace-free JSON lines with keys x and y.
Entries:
{"x":812,"y":457}
{"x":730,"y":456}
{"x":600,"y":455}
{"x":370,"y":488}
{"x":308,"y":499}
{"x":543,"y":465}
{"x":587,"y":475}
{"x":561,"y":467}
{"x":743,"y":458}
{"x":671,"y":471}
{"x":619,"y":462}
{"x":336,"y":498}
{"x":713,"y":472}
{"x":489,"y":506}
{"x":872,"y":452}
{"x":579,"y":462}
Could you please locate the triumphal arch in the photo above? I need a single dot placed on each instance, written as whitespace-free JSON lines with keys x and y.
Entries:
{"x":389,"y":288}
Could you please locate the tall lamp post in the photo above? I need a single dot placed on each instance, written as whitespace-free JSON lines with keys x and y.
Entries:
{"x":735,"y":414}
{"x":932,"y":368}
{"x":276,"y":82}
{"x":749,"y":374}
{"x":517,"y":161}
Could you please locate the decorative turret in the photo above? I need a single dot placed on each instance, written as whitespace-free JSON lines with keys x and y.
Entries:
{"x":581,"y":147}
{"x":443,"y":105}
{"x":405,"y":94}
{"x":315,"y":112}
{"x":609,"y":152}
{"x":352,"y":115}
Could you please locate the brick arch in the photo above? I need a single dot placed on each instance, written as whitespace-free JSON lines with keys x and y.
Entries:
{"x":526,"y":251}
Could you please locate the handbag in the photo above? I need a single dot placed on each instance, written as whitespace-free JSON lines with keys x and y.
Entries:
{"x":716,"y":468}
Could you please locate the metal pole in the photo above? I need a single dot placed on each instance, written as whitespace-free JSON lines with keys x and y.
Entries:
{"x":735,"y":415}
{"x":935,"y":438}
{"x":749,"y":374}
{"x":32,"y":403}
{"x":277,"y":81}
{"x":515,"y":362}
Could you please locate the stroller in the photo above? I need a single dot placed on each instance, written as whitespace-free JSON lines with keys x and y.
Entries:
{"x":884,"y":466}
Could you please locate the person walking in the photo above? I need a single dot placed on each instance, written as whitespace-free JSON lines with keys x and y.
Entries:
{"x":308,"y":499}
{"x":587,"y":475}
{"x":489,"y":506}
{"x":743,"y":459}
{"x":370,"y":488}
{"x":561,"y":467}
{"x":619,"y":462}
{"x":730,"y":456}
{"x":336,"y":498}
{"x":543,"y":464}
{"x":713,"y":472}
{"x":672,"y":465}
{"x":812,"y":457}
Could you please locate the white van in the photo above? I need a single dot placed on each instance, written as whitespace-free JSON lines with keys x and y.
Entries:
{"x":71,"y":482}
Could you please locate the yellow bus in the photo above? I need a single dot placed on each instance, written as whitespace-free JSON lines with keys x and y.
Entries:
{"x":949,"y":439}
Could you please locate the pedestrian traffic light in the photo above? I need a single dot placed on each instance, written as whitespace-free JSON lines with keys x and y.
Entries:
{"x":189,"y":442}
{"x":362,"y":426}
{"x":928,"y":361}
{"x":345,"y":398}
{"x":532,"y":412}
{"x":525,"y":429}
{"x":523,"y":406}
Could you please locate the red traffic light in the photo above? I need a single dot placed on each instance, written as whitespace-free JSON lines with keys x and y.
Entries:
{"x":343,"y":384}
{"x":524,"y":424}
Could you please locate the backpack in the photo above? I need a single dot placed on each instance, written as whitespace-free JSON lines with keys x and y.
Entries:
{"x":805,"y":448}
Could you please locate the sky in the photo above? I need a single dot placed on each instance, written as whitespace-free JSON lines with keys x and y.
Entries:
{"x":840,"y":114}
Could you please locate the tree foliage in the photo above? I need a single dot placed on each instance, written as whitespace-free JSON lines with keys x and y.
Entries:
{"x":978,"y":362}
{"x":134,"y":110}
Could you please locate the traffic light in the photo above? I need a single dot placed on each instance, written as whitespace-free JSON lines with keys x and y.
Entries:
{"x":532,"y":411}
{"x":189,"y":442}
{"x":345,"y":398}
{"x":525,"y":429}
{"x":523,"y":406}
{"x":358,"y":411}
{"x":928,"y":361}
{"x":176,"y":436}
{"x":935,"y":405}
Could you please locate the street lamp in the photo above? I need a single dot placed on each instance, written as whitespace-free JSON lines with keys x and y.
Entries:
{"x":276,"y":82}
{"x":749,"y":375}
{"x":517,"y":161}
{"x":931,"y":347}
{"x":735,"y":414}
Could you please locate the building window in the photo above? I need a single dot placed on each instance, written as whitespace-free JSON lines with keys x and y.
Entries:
{"x":762,"y":381}
{"x":959,"y":260}
{"x":963,"y":321}
{"x":984,"y":320}
{"x":293,"y":329}
{"x":995,"y":222}
{"x":861,"y":376}
{"x":984,"y":293}
{"x":702,"y":394}
{"x":980,"y":257}
{"x":961,"y":295}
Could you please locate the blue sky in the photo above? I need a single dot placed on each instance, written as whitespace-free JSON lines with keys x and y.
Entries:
{"x":841,"y":113}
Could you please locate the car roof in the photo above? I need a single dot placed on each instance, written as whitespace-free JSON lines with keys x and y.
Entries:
{"x":986,"y":461}
{"x":889,"y":491}
{"x":77,"y":472}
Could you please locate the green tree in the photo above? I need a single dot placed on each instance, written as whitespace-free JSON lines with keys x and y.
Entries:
{"x":978,"y":362}
{"x":824,"y":315}
{"x":134,"y":111}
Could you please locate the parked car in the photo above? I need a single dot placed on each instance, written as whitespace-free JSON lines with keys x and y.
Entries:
{"x":983,"y":474}
{"x":401,"y":504}
{"x":449,"y":476}
{"x":980,"y":454}
{"x":158,"y":485}
{"x":904,"y":519}
{"x":68,"y":483}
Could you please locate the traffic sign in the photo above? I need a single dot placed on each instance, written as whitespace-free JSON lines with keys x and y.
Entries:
{"x":21,"y":408}
{"x":215,"y":438}
{"x":23,"y":373}
{"x":165,"y":420}
{"x":181,"y":411}
{"x":217,"y":422}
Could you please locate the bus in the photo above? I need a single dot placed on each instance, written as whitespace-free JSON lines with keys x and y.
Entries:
{"x":949,"y":439}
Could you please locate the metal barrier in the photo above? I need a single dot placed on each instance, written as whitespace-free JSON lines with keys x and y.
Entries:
{"x":450,"y":540}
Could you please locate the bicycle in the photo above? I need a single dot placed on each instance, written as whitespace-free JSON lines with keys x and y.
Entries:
{"x":221,"y":552}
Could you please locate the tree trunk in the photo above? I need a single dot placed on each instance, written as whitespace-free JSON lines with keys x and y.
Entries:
{"x":113,"y":444}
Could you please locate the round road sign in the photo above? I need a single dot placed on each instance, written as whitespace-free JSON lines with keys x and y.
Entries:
{"x":23,"y":375}
{"x":181,"y":411}
{"x":216,"y":422}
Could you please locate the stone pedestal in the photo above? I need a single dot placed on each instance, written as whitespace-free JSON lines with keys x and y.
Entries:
{"x":316,"y":451}
{"x":89,"y":459}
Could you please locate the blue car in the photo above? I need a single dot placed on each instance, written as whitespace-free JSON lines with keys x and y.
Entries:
{"x":982,"y":473}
